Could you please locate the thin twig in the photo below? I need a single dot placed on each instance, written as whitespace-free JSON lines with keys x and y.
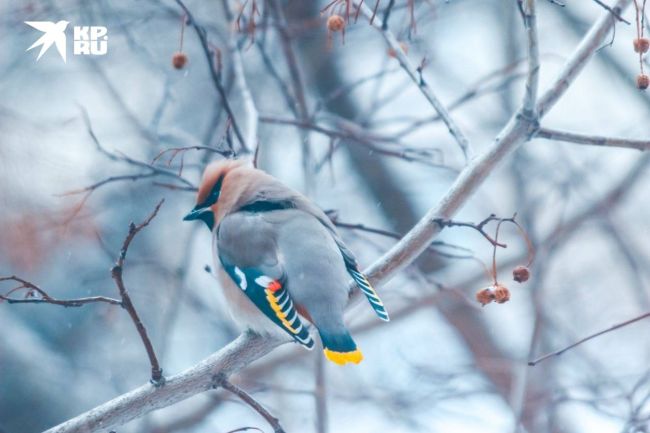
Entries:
{"x":479,"y":227}
{"x":297,"y":82}
{"x":351,"y":132}
{"x":125,"y":302}
{"x":332,"y":214}
{"x":215,"y":74}
{"x":248,"y":103}
{"x":592,"y":140}
{"x":592,"y":336}
{"x":45,"y":298}
{"x":249,"y":400}
{"x":117,"y":274}
{"x":482,"y":86}
{"x":422,"y":85}
{"x":153,"y":170}
{"x":612,"y":11}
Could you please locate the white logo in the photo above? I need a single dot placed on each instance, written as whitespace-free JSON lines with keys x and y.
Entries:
{"x":54,"y":34}
{"x":88,"y":40}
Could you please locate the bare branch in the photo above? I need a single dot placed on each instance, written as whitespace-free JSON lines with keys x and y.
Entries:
{"x":517,"y":131}
{"x":480,"y":227}
{"x":153,"y":170}
{"x":532,"y":79}
{"x":125,"y":302}
{"x":297,"y":81}
{"x":353,"y":133}
{"x":117,"y":271}
{"x":588,"y":46}
{"x":592,"y":140}
{"x":199,"y":378}
{"x":422,"y":85}
{"x":45,"y":298}
{"x":612,"y":11}
{"x":252,"y":115}
{"x":249,"y":400}
{"x":592,"y":336}
{"x":202,"y":33}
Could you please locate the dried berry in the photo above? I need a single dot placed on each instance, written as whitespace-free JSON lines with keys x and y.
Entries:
{"x":335,"y":23}
{"x":179,"y":60}
{"x":642,"y":81}
{"x":501,"y":294}
{"x":641,"y":45}
{"x":485,"y":296}
{"x":392,"y":53}
{"x":521,"y":274}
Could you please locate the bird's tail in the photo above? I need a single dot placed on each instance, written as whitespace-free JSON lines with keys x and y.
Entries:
{"x":340,"y":348}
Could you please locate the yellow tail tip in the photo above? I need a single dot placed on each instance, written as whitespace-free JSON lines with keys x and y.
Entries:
{"x":342,"y":358}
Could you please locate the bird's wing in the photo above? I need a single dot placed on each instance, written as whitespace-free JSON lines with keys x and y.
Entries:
{"x":362,"y":281}
{"x":44,"y":26}
{"x":301,"y":204}
{"x":249,"y":257}
{"x":351,"y":264}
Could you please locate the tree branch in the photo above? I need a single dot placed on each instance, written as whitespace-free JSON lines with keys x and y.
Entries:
{"x":532,"y":79}
{"x":517,"y":131}
{"x":215,"y":74}
{"x":116,"y":272}
{"x":45,"y":298}
{"x":125,"y":302}
{"x":248,"y":103}
{"x":480,"y":227}
{"x":593,"y":140}
{"x":297,"y":82}
{"x":257,"y":407}
{"x":592,"y":336}
{"x":416,"y":75}
{"x":126,"y":407}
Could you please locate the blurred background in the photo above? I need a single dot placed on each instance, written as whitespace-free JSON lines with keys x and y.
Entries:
{"x":84,"y":150}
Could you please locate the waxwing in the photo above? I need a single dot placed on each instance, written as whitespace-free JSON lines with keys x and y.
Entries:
{"x":280,"y":261}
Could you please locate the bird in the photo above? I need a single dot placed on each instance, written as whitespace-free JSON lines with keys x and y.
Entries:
{"x":281,"y":263}
{"x":54,"y":34}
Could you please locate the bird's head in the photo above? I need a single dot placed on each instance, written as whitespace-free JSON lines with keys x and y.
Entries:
{"x":62,"y":24}
{"x":210,"y":190}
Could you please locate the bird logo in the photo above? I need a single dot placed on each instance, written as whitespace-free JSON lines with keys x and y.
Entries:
{"x":54,"y":34}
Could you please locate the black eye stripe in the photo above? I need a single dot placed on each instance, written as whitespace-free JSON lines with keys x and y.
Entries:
{"x":213,"y":196}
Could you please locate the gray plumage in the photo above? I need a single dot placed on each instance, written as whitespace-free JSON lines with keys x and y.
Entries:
{"x":279,"y":255}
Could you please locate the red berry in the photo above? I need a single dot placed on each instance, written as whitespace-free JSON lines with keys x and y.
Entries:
{"x":521,"y":274}
{"x":335,"y":23}
{"x":179,"y":60}
{"x":501,"y":294}
{"x":641,"y":45}
{"x":485,"y":296}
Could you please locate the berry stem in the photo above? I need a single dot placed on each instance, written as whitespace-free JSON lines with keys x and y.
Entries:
{"x":183,"y":19}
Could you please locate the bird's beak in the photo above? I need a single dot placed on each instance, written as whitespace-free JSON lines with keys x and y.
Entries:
{"x":197,"y":213}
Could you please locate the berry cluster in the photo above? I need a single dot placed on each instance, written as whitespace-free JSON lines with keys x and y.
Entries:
{"x":641,"y":45}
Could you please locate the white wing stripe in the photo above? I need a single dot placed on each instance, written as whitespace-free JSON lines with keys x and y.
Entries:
{"x":243,"y":284}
